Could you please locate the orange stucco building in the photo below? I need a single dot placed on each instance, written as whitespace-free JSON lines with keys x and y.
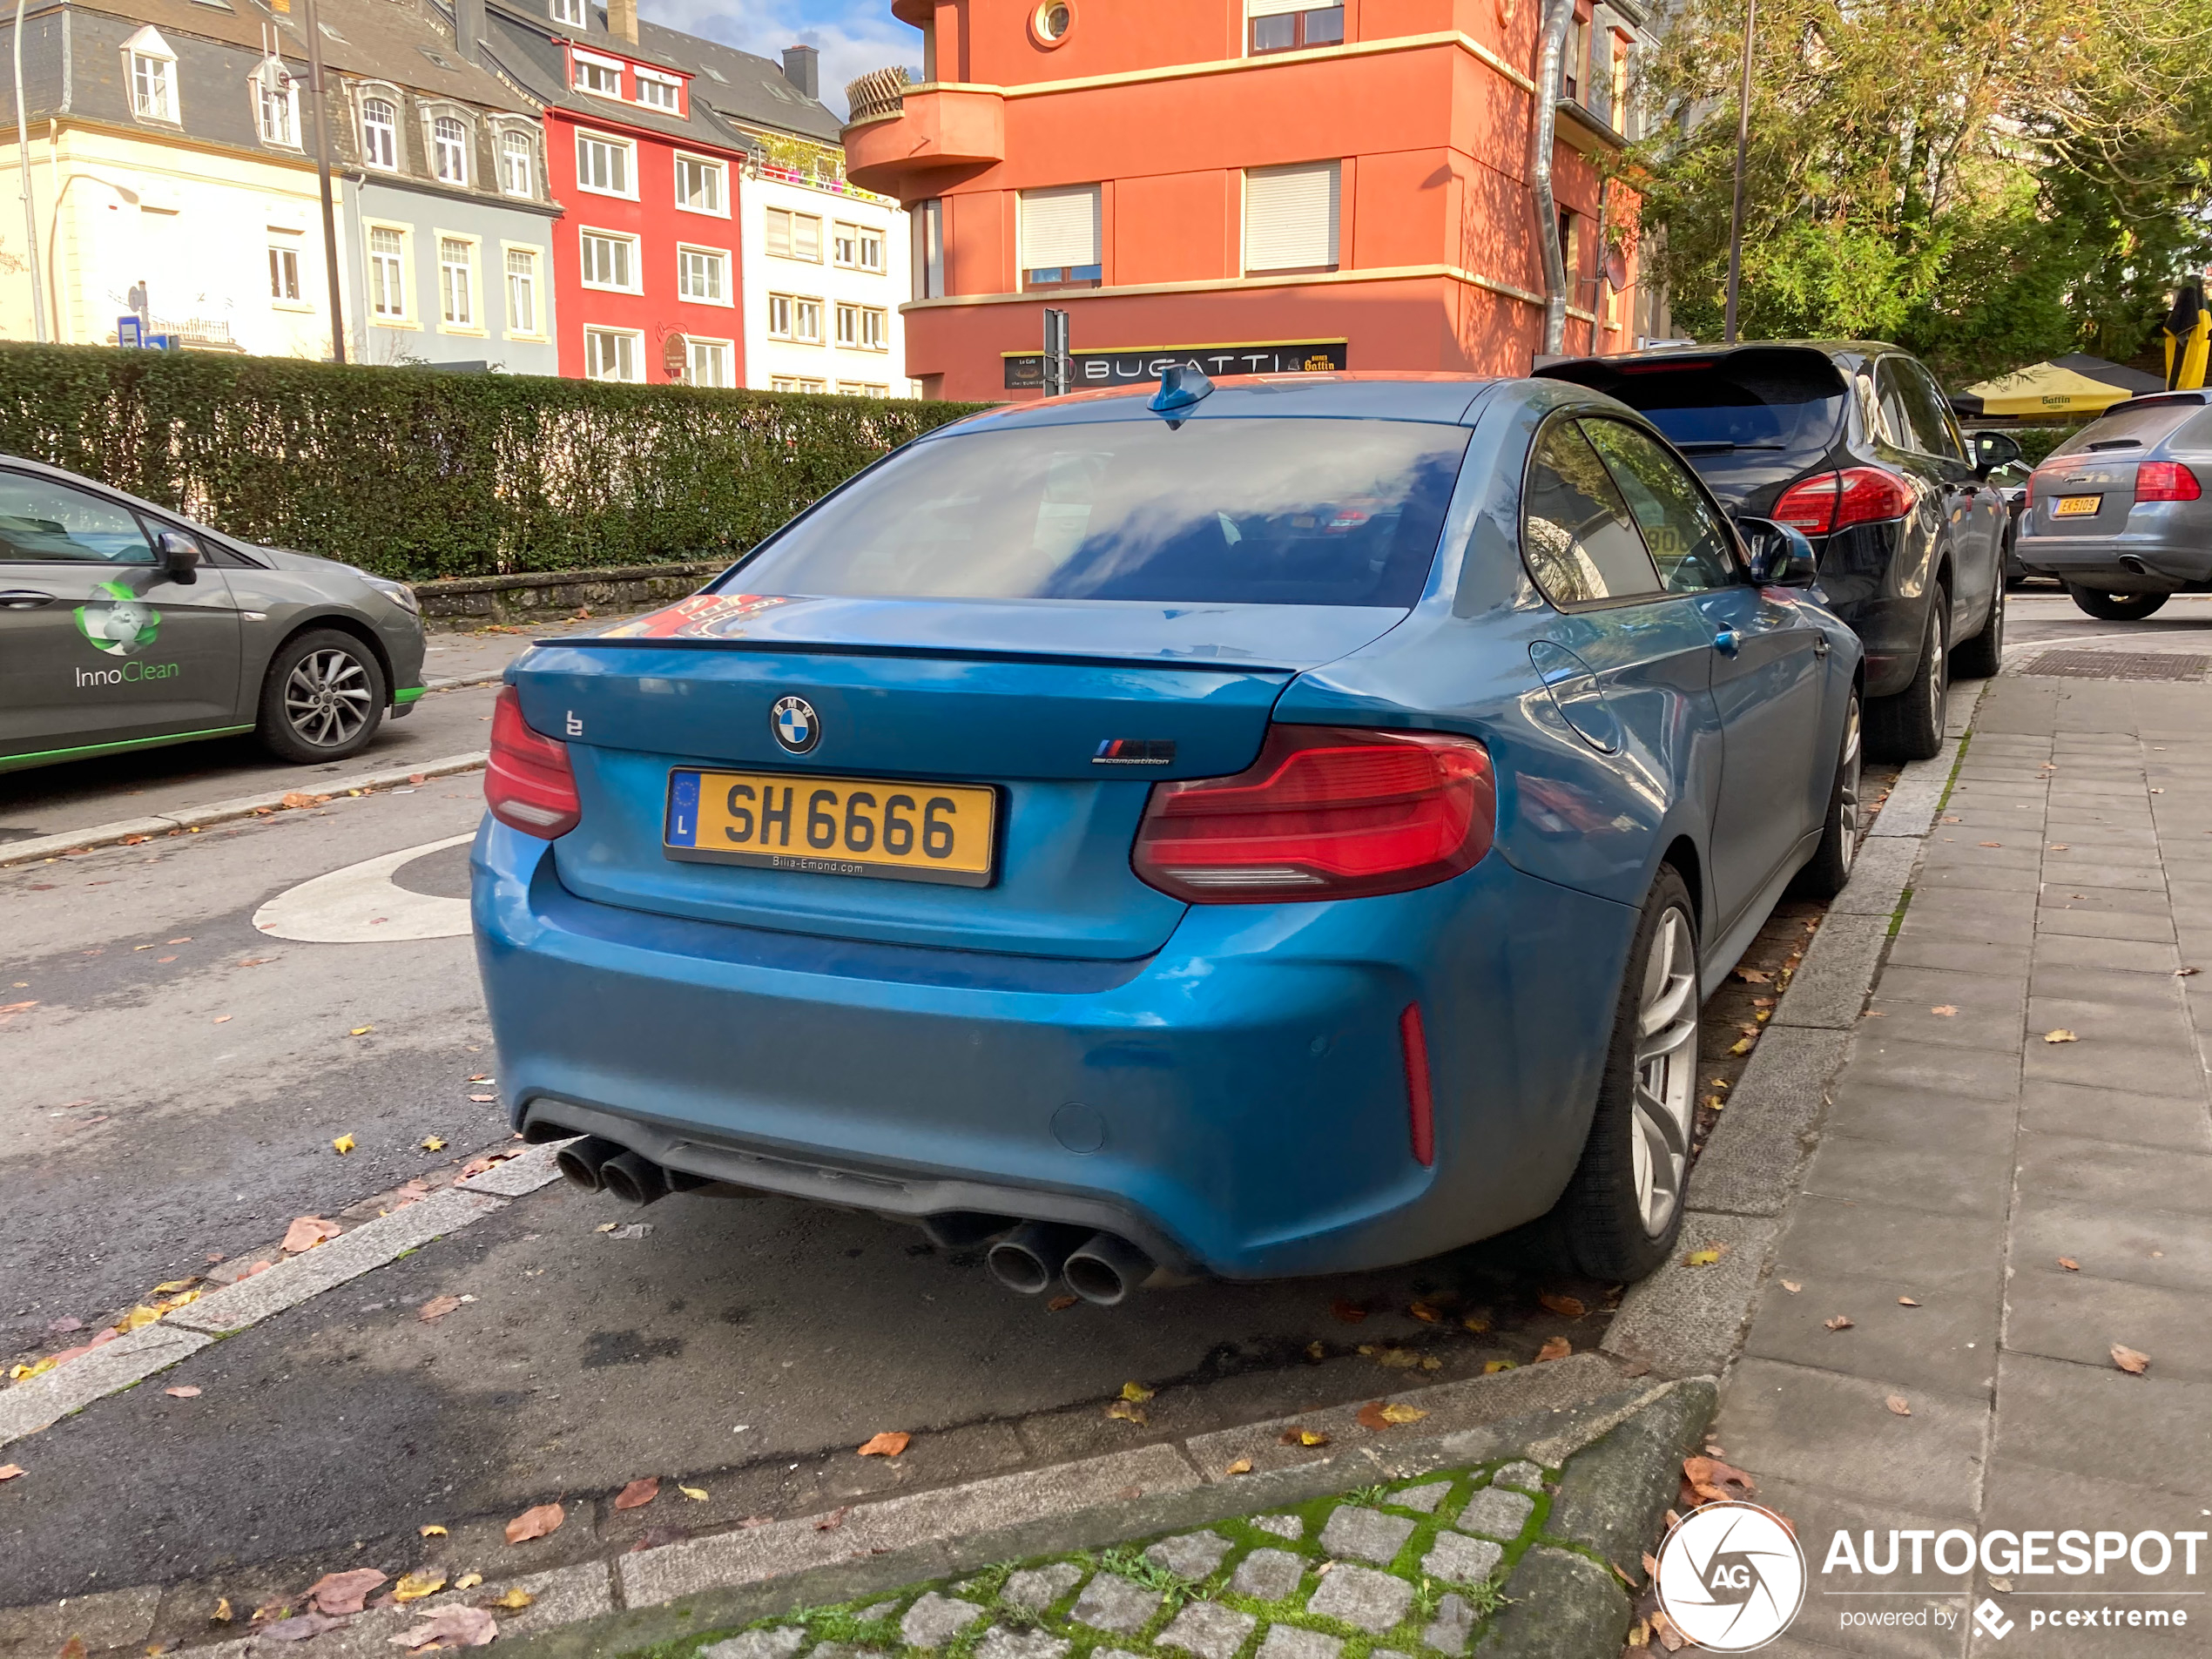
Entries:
{"x":1262,"y":185}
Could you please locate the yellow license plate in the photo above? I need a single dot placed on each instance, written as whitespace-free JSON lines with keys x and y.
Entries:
{"x":887,"y":827}
{"x":2075,"y":506}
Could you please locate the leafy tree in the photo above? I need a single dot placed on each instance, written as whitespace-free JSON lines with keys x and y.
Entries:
{"x":1986,"y":182}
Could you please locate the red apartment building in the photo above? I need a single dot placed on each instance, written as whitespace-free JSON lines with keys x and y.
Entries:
{"x":1264,"y":185}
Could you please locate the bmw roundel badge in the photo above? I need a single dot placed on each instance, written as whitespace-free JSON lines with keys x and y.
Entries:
{"x":797,"y":728}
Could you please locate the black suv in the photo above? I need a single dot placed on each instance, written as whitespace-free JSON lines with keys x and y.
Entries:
{"x":1853,"y":443}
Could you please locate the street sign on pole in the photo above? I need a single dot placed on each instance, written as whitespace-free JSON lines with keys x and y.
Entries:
{"x":1059,"y":371}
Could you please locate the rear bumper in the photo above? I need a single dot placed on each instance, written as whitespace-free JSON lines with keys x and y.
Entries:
{"x":1236,"y":1103}
{"x":2169,"y":562}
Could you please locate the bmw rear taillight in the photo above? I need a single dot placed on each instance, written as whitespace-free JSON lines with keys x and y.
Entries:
{"x":2166,"y":481}
{"x":527,"y":784}
{"x":1831,"y":500}
{"x":1325,"y":812}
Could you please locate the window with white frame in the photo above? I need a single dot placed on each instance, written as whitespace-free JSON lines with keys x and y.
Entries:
{"x":569,"y":11}
{"x":709,"y":362}
{"x":656,"y":90}
{"x":522,"y":291}
{"x":153,"y":76}
{"x":703,"y":273}
{"x":845,"y":244}
{"x":700,"y":185}
{"x":1290,"y":25}
{"x":816,"y":387}
{"x":875,"y":328}
{"x":614,"y":354}
{"x":782,"y":383}
{"x":1291,"y":217}
{"x":388,"y":272}
{"x":284,"y":271}
{"x":278,"y":108}
{"x":602,"y":164}
{"x":871,"y":239}
{"x":449,"y":149}
{"x":458,"y":281}
{"x":796,"y":318}
{"x":600,"y":75}
{"x":795,"y":236}
{"x":380,"y":133}
{"x":848,"y":324}
{"x":1059,"y":238}
{"x":517,"y":162}
{"x":609,"y":261}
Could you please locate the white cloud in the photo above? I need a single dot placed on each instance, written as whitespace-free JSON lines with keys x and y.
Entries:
{"x":852,"y":36}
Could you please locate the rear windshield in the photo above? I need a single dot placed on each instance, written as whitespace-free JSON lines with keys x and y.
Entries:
{"x":1285,"y":512}
{"x":1766,"y":409}
{"x":2124,"y":431}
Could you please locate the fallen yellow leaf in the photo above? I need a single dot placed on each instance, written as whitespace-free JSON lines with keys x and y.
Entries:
{"x":515,"y":1599}
{"x":361,"y":1030}
{"x":1701,"y":1258}
{"x":222,"y":1614}
{"x":1740,"y":1046}
{"x":1242,"y":1466}
{"x":433,"y":1530}
{"x":1477,"y":1323}
{"x":697,"y":1495}
{"x":343,"y":1144}
{"x":415,"y":1586}
{"x":434,"y":1143}
{"x":138,"y":1318}
{"x":1791,"y":1285}
{"x":467,"y":1581}
{"x":174,"y":1286}
{"x":1394,"y":1413}
{"x":1491,"y":1368}
{"x":1127,"y":1411}
{"x":2060,"y":1035}
{"x":1136,"y":1391}
{"x":1304,"y":1437}
{"x":36,"y":1368}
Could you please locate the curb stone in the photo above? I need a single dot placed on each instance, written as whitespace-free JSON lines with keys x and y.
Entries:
{"x":189,"y":818}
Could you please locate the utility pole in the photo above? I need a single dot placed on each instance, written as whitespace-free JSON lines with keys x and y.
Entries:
{"x":322,"y":178}
{"x":1742,"y":143}
{"x":30,"y":209}
{"x":1058,"y":369}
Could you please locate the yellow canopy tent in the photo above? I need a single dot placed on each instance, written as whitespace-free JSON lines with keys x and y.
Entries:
{"x":2077,"y":384}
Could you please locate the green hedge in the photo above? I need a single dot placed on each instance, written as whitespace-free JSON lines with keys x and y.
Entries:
{"x":416,"y":474}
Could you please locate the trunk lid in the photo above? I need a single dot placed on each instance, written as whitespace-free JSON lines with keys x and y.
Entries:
{"x":1021,"y":704}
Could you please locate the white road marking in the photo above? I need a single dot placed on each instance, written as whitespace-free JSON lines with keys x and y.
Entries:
{"x":360,"y":904}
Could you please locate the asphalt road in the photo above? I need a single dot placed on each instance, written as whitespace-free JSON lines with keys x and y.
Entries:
{"x":175,"y":1088}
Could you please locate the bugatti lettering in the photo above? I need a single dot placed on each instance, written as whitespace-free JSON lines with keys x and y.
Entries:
{"x":1135,"y":366}
{"x":128,"y":674}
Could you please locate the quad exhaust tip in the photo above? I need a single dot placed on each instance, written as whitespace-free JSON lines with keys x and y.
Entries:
{"x":581,"y":1162}
{"x":1105,"y":1269}
{"x":1102,"y":1269}
{"x":599,"y":1165}
{"x":1027,"y":1259}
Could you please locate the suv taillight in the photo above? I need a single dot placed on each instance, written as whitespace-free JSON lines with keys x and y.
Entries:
{"x":1325,"y":812}
{"x":527,"y":784}
{"x":1830,"y":501}
{"x":2166,"y":481}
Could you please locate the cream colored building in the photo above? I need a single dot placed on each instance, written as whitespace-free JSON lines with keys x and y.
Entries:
{"x":825,"y":269}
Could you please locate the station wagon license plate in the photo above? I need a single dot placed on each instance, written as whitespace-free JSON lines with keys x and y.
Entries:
{"x":891,"y":828}
{"x":2075,"y":506}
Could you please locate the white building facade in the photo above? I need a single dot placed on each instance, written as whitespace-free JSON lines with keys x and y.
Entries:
{"x":826,"y":267}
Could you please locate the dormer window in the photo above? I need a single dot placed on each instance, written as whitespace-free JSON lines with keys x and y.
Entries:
{"x":277,"y":99}
{"x":517,"y":164}
{"x":450,"y":150}
{"x":380,"y":133}
{"x":600,"y":75}
{"x":153,"y":75}
{"x":569,"y":11}
{"x":656,"y":90}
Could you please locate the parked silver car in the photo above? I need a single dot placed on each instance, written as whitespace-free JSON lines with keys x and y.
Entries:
{"x":2120,"y":514}
{"x":123,"y":625}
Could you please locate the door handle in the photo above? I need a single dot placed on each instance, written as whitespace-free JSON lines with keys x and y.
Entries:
{"x":1727,"y":642}
{"x":1820,"y":645}
{"x":24,"y":599}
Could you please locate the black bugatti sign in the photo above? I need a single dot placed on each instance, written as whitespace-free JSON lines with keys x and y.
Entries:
{"x":1135,"y":366}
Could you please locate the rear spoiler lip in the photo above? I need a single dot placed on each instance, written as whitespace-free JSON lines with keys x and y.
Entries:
{"x":1225,"y":665}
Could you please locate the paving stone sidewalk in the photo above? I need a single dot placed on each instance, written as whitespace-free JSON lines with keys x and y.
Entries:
{"x":2014,"y":1176}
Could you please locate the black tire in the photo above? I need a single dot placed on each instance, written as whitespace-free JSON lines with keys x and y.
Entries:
{"x":1981,"y":657}
{"x":1909,"y":726}
{"x":1600,"y":1224}
{"x":1825,"y":876}
{"x":2116,"y":607}
{"x":322,"y":698}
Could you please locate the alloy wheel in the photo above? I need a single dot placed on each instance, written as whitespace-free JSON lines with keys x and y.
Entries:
{"x":1666,"y":1071}
{"x":1939,"y":669}
{"x":1847,"y":785}
{"x":327,"y":698}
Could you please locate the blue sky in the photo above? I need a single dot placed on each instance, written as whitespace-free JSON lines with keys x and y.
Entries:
{"x":854,"y":36}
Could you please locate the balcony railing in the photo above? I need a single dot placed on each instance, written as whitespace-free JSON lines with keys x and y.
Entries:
{"x":881,"y":92}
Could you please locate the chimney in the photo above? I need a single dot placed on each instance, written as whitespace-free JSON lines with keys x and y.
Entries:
{"x":621,"y":19}
{"x":468,"y":29}
{"x":803,"y":69}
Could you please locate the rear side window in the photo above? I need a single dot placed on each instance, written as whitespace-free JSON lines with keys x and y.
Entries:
{"x":2124,"y":430}
{"x":42,"y":522}
{"x":1911,"y":400}
{"x":1228,"y":511}
{"x":1576,"y":535}
{"x":1686,"y":537}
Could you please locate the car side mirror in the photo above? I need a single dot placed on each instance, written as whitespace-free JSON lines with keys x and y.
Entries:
{"x":1994,"y":449}
{"x":1781,"y":558}
{"x":179,"y":555}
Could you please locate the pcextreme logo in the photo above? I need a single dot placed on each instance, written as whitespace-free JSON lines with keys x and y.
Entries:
{"x":121,"y":625}
{"x":1731,"y":1577}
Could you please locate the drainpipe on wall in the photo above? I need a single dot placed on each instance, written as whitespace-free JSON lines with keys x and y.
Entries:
{"x":1551,"y":52}
{"x":30,"y":208}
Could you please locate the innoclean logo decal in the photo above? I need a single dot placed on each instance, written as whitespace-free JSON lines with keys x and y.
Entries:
{"x":121,"y":625}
